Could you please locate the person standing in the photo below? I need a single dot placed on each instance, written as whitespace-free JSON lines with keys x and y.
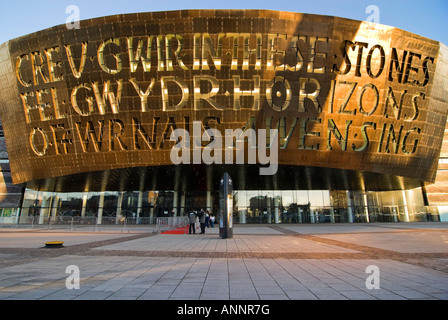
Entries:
{"x":207,"y":219}
{"x":212,"y":221}
{"x":192,"y":221}
{"x":202,"y":220}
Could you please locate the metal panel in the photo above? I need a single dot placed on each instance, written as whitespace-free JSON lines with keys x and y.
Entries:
{"x":352,"y":100}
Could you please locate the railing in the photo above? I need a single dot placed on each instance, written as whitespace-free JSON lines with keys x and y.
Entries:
{"x":162,"y":224}
{"x":147,"y":224}
{"x":170,"y":223}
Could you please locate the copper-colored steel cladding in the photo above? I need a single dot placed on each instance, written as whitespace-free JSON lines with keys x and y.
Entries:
{"x":358,"y":105}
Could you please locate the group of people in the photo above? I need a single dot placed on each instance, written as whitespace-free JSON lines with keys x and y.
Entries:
{"x":206,"y":220}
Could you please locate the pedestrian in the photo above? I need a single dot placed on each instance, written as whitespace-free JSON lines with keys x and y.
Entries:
{"x":212,"y":221}
{"x":207,"y":219}
{"x":192,"y":221}
{"x":202,"y":220}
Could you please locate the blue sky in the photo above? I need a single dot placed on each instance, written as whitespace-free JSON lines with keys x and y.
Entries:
{"x":427,"y":18}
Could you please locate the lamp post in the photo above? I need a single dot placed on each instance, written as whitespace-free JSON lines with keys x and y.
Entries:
{"x":226,"y":207}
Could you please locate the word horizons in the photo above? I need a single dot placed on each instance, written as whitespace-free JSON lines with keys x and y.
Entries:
{"x":46,"y":70}
{"x":307,"y":57}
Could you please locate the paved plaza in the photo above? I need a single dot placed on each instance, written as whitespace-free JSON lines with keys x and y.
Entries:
{"x":261,"y":262}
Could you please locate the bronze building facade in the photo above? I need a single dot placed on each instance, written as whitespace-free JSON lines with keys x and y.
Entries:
{"x":129,"y":115}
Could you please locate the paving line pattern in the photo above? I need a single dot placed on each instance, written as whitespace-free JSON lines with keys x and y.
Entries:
{"x":249,"y":269}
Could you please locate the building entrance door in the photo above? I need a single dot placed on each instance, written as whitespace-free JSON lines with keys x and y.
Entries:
{"x":390,"y":213}
{"x":196,"y":200}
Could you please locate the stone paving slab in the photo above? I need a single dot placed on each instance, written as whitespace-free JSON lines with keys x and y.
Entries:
{"x":170,"y":278}
{"x":412,"y":242}
{"x":258,"y":263}
{"x":38,"y":239}
{"x":211,"y":243}
{"x":365,"y":227}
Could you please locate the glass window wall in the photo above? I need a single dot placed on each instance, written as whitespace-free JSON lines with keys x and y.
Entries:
{"x":250,"y":206}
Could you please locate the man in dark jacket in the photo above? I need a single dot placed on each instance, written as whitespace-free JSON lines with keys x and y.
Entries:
{"x":202,"y":220}
{"x":192,"y":221}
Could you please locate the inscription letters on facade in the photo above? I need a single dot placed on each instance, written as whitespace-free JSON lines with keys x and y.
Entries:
{"x":357,"y":99}
{"x":297,"y":62}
